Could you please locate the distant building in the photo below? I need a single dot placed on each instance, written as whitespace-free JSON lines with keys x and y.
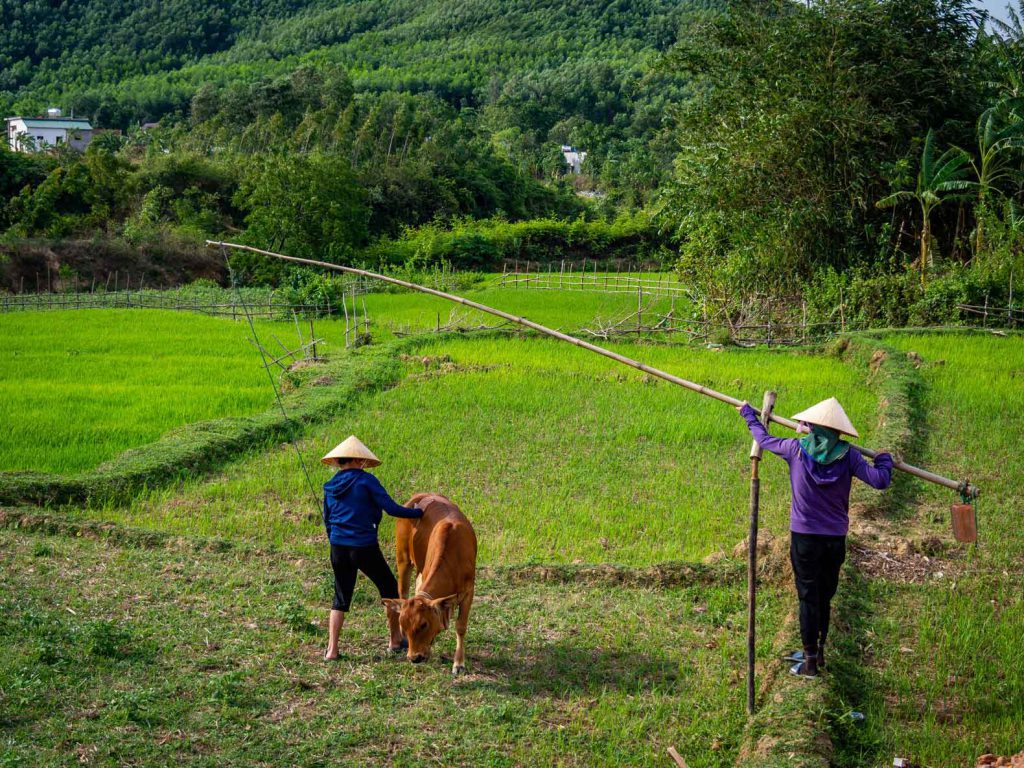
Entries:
{"x":573,"y":157}
{"x":33,"y":134}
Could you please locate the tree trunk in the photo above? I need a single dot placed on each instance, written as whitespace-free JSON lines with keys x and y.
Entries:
{"x":979,"y":215}
{"x":926,"y":244}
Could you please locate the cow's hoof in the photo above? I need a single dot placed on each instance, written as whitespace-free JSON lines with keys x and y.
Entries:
{"x":458,"y":669}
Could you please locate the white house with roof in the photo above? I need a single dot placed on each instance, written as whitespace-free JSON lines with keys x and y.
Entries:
{"x":32,"y":134}
{"x":573,"y":157}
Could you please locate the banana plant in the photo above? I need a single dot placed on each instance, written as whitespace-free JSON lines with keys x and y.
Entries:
{"x":938,"y":179}
{"x":1000,"y":133}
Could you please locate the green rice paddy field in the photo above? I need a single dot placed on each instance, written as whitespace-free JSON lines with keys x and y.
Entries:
{"x":79,"y":387}
{"x":555,"y":456}
{"x":936,"y":666}
{"x":200,"y":657}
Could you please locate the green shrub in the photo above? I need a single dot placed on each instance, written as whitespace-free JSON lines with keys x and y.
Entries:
{"x":486,"y":244}
{"x":890,"y":300}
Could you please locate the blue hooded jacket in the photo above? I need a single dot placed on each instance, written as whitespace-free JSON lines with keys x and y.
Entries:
{"x":354,"y":502}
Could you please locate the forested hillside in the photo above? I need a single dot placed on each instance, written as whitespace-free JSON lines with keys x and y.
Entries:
{"x":124,"y":62}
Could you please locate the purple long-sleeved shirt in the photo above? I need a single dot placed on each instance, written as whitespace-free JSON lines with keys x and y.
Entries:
{"x":821,"y":492}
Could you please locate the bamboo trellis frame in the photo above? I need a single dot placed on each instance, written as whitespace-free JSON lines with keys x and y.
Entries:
{"x":962,"y":487}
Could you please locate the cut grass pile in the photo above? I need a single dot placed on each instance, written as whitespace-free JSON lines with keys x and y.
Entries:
{"x":79,"y":387}
{"x":556,"y":455}
{"x":936,"y":666}
{"x":200,"y":658}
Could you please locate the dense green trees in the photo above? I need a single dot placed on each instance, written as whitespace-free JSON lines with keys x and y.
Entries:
{"x":805,"y":116}
{"x":309,"y":206}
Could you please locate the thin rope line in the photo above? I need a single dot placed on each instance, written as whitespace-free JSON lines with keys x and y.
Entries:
{"x":277,"y":393}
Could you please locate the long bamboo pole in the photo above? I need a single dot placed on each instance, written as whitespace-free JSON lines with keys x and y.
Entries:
{"x":963,"y":487}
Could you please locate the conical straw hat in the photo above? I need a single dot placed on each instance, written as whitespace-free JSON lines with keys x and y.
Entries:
{"x":828,"y":413}
{"x":352,"y":448}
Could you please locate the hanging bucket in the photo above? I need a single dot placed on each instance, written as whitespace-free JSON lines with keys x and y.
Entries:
{"x":965,"y":523}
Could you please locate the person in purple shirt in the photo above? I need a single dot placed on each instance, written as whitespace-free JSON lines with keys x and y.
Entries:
{"x":354,"y":504}
{"x":821,"y":470}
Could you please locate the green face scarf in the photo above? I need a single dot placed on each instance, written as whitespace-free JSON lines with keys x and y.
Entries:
{"x":823,"y":445}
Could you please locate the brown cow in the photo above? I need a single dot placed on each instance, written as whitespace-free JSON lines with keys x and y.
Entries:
{"x":442,"y":545}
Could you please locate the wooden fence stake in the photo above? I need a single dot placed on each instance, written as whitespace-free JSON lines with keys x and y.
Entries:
{"x":639,"y":310}
{"x":767,"y":406}
{"x":344,"y":305}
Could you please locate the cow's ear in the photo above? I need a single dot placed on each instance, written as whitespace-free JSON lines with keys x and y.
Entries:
{"x":393,"y":604}
{"x":444,"y":605}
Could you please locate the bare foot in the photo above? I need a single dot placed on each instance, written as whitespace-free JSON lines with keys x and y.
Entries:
{"x":331,"y":655}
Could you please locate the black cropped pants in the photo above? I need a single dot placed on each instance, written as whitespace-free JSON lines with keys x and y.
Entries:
{"x":346,"y":562}
{"x":816,"y":562}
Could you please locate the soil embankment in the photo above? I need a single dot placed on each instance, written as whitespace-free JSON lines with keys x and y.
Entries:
{"x":104,"y":263}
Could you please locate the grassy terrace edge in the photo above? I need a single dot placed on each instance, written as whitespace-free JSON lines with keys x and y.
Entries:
{"x":316,"y":393}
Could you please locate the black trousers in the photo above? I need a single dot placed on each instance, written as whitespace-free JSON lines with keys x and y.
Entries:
{"x":346,"y":562}
{"x":816,"y":562}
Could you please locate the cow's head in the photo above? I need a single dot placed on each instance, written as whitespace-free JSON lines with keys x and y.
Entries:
{"x":421,"y":619}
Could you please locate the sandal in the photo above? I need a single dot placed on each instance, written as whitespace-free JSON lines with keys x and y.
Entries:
{"x":800,"y":670}
{"x":798,"y":656}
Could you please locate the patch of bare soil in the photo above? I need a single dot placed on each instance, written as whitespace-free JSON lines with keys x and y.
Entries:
{"x":299,"y":365}
{"x":995,"y":761}
{"x":906,"y":557}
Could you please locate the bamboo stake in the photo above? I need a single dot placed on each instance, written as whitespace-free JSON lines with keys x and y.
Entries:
{"x":700,"y":389}
{"x":344,"y":305}
{"x":767,"y":406}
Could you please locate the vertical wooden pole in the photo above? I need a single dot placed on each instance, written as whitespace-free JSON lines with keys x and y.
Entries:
{"x":767,"y":406}
{"x":842,"y":310}
{"x":344,"y":306}
{"x":639,"y":310}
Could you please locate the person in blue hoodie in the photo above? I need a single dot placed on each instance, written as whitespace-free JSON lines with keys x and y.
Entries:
{"x":354,"y":503}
